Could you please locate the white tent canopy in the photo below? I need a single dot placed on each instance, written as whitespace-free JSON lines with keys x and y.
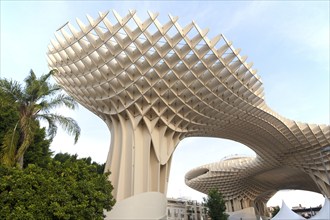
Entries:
{"x":324,"y":213}
{"x":286,"y":213}
{"x":247,"y":213}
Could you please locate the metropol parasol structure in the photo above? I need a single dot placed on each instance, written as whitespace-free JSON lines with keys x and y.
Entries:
{"x":154,"y":84}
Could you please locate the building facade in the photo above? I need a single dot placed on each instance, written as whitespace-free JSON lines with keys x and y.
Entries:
{"x":183,"y":209}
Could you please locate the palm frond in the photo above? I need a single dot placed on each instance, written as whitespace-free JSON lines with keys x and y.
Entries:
{"x":45,"y":77}
{"x":58,"y":101}
{"x":12,"y":90}
{"x":54,"y":71}
{"x":31,"y":78}
{"x":68,"y":124}
{"x":39,"y":88}
{"x":32,"y":87}
{"x":52,"y":90}
{"x":52,"y":128}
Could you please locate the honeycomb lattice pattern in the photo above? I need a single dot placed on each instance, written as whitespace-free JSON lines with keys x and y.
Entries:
{"x":177,"y":83}
{"x":146,"y":69}
{"x":247,"y":180}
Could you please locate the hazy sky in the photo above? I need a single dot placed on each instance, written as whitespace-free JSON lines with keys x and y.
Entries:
{"x":288,"y":42}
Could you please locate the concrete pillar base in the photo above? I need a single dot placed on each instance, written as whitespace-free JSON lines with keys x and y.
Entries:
{"x":150,"y":205}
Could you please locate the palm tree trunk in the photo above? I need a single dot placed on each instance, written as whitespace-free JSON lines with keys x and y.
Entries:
{"x":27,"y":138}
{"x":22,"y":149}
{"x":20,"y":162}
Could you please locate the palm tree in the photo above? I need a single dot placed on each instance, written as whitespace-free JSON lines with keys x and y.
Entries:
{"x":33,"y":103}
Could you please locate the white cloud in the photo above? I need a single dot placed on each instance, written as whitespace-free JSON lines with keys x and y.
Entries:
{"x":248,"y":15}
{"x":309,"y":34}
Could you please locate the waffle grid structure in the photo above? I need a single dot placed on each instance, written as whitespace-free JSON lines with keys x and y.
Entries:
{"x":155,"y":84}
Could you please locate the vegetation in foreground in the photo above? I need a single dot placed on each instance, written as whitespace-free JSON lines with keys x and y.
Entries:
{"x":72,"y":189}
{"x":275,"y":210}
{"x":215,"y":205}
{"x":44,"y":187}
{"x":26,"y":105}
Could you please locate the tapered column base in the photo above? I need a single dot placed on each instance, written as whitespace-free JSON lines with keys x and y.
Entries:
{"x":150,"y":205}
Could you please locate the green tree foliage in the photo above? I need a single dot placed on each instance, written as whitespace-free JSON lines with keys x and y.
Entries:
{"x":32,"y":103}
{"x":8,"y":120}
{"x":62,"y":190}
{"x":275,"y":210}
{"x":63,"y":187}
{"x":63,"y":157}
{"x":216,"y":205}
{"x":8,"y":115}
{"x":38,"y":153}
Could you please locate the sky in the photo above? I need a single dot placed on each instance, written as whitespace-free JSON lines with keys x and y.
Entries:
{"x":288,"y":42}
